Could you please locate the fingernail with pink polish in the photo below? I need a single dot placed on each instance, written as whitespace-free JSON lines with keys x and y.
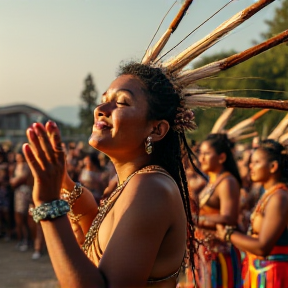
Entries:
{"x":53,"y":124}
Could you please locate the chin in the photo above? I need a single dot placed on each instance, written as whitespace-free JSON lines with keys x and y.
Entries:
{"x":94,"y":141}
{"x":99,"y":142}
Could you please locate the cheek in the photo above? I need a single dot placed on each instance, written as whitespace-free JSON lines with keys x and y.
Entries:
{"x":259,"y":171}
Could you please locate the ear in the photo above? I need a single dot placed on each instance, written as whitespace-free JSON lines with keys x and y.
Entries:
{"x":160,"y":129}
{"x":222,"y":158}
{"x":274,"y":166}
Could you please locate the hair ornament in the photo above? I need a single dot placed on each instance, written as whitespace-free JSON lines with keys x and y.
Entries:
{"x":184,"y":120}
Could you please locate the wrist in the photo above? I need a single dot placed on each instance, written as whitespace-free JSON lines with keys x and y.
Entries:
{"x":229,"y":230}
{"x":40,"y":202}
{"x":50,"y":210}
{"x":67,"y":183}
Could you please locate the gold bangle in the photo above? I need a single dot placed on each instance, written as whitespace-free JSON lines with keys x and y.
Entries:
{"x":71,"y":198}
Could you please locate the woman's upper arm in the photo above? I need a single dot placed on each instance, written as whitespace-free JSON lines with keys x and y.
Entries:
{"x":274,"y":220}
{"x":142,"y":224}
{"x":229,"y":194}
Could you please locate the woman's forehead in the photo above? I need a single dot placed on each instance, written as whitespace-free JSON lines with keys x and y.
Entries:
{"x":126,"y":82}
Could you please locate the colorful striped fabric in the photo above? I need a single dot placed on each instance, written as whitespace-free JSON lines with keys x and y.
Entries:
{"x":268,"y":272}
{"x":219,"y":270}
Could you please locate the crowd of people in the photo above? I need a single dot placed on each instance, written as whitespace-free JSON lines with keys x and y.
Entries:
{"x":240,"y":229}
{"x":92,"y":168}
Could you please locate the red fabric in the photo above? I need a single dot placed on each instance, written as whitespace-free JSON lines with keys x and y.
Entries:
{"x":275,"y":272}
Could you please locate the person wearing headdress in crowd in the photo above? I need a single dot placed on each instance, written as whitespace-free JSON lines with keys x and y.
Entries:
{"x":133,"y":241}
{"x":266,"y":245}
{"x":219,"y":263}
{"x":137,"y":237}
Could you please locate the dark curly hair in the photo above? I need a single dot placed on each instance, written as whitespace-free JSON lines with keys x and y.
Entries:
{"x":222,"y":144}
{"x":276,"y":152}
{"x":163,"y":101}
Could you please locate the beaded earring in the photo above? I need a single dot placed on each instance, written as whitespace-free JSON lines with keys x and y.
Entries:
{"x":148,"y":145}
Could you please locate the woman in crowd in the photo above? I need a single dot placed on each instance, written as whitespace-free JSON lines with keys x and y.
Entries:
{"x":22,"y":182}
{"x":138,"y":237}
{"x":219,"y":263}
{"x":93,"y":176}
{"x":266,"y":263}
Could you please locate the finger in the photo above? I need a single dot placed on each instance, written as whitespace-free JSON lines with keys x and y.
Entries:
{"x":31,"y":160}
{"x":54,"y":135}
{"x":36,"y":147}
{"x":44,"y":141}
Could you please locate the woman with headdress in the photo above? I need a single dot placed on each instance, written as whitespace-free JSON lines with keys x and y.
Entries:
{"x":266,"y":245}
{"x":219,"y":262}
{"x":137,"y":237}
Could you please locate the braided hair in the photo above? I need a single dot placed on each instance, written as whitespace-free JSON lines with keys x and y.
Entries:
{"x":163,"y":100}
{"x":276,"y":152}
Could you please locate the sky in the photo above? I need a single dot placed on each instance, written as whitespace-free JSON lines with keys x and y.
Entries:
{"x":48,"y":47}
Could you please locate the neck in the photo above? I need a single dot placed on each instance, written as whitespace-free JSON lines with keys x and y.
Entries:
{"x":213,"y":175}
{"x":125,"y":168}
{"x":270,"y":183}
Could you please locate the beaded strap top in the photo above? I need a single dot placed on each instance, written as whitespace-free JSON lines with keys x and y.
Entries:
{"x":107,"y":204}
{"x":209,"y":189}
{"x":261,"y":204}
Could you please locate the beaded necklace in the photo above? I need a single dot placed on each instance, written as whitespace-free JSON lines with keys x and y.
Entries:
{"x":107,"y":204}
{"x":262,"y":202}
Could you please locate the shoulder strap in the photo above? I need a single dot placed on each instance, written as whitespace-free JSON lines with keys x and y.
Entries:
{"x":209,"y":189}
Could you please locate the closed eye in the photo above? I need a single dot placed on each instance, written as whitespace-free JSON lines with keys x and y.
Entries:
{"x":122,"y":103}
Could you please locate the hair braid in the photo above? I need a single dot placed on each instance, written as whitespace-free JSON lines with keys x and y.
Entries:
{"x":163,"y":100}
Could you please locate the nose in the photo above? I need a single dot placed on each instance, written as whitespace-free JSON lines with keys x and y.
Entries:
{"x":103,"y":109}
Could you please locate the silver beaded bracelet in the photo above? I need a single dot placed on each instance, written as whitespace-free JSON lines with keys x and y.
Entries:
{"x":50,"y":210}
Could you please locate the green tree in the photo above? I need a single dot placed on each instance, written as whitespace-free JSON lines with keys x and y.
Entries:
{"x":88,"y":104}
{"x":253,"y":78}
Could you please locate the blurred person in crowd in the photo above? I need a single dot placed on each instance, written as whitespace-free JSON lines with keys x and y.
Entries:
{"x":72,"y":161}
{"x":195,"y":181}
{"x":106,"y":163}
{"x":5,"y":221}
{"x":22,"y":183}
{"x":266,"y":245}
{"x":219,"y":263}
{"x":36,"y":235}
{"x":93,"y":176}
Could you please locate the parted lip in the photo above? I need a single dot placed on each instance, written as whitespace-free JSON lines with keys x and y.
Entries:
{"x":101,"y":124}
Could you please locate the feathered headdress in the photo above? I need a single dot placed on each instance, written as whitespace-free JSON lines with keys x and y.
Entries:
{"x":183,"y":79}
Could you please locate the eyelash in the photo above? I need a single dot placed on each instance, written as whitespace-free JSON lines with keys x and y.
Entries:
{"x":122,"y":103}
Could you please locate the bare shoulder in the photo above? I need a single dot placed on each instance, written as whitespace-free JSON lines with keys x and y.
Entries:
{"x":151,"y":193}
{"x":229,"y":185}
{"x":279,"y":199}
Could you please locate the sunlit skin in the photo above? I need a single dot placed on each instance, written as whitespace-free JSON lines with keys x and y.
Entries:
{"x":226,"y":195}
{"x":140,"y":216}
{"x":267,"y":227}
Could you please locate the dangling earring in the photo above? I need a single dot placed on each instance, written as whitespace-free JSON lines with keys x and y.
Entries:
{"x":148,"y":145}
